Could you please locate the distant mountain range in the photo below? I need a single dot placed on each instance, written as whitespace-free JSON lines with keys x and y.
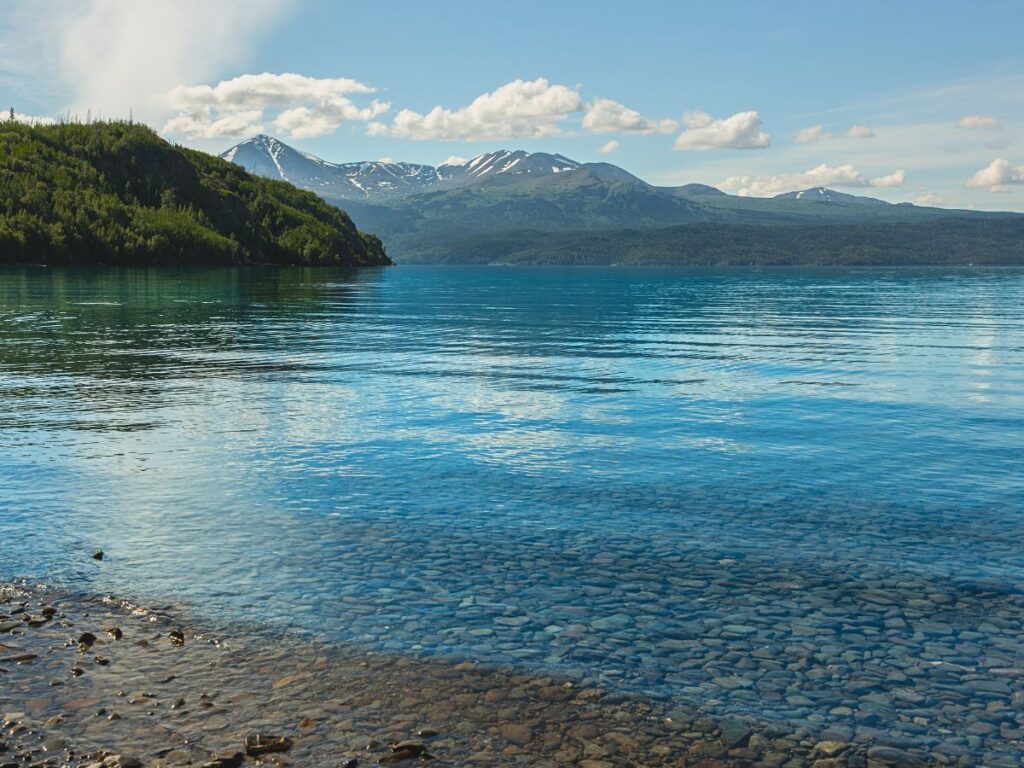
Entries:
{"x":475,"y":210}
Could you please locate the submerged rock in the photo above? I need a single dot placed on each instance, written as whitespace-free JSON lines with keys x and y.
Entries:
{"x":258,"y":744}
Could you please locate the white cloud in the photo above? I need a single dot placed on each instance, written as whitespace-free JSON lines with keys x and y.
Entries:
{"x":818,"y":133}
{"x":894,"y":179}
{"x":386,"y":159}
{"x":28,"y":119}
{"x":812,"y":133}
{"x":208,"y":127}
{"x":978,"y":121}
{"x":821,"y":176}
{"x":608,"y":116}
{"x":608,"y":147}
{"x":932,"y":199}
{"x":455,"y":160}
{"x":522,"y":109}
{"x":263,"y":90}
{"x":859,"y":132}
{"x":740,"y":131}
{"x":997,"y":176}
{"x":313,"y":106}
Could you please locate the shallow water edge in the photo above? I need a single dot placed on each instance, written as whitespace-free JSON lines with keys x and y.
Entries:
{"x":86,"y":678}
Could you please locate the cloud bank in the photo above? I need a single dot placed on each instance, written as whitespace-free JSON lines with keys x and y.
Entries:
{"x":821,"y":176}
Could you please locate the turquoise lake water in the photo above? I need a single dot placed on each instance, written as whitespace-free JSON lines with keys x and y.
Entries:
{"x":748,"y":488}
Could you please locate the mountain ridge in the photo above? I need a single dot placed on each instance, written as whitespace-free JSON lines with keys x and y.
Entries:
{"x":266,"y":155}
{"x":507,"y":197}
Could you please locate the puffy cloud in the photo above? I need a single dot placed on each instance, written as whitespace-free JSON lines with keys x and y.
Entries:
{"x":821,"y":176}
{"x":930,"y":198}
{"x":313,"y":106}
{"x":522,"y":109}
{"x":997,"y":176}
{"x":894,"y":179}
{"x":978,"y":121}
{"x":322,"y":119}
{"x":455,"y":160}
{"x":609,"y":147}
{"x":810,"y":134}
{"x":608,"y":116}
{"x":208,"y":127}
{"x":740,"y":131}
{"x":818,"y":133}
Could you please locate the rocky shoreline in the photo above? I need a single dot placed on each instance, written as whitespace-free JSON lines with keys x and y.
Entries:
{"x":93,"y":681}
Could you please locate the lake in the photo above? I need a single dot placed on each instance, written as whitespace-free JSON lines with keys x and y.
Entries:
{"x":797,"y":494}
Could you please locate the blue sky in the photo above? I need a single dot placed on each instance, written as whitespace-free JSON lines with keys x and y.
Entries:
{"x":905,"y":101}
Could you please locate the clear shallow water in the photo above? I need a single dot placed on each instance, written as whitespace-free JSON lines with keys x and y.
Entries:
{"x":664,"y":479}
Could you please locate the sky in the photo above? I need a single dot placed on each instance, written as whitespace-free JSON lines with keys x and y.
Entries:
{"x":905,"y":101}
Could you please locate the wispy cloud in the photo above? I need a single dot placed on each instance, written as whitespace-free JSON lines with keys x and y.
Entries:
{"x":977,"y":122}
{"x":110,"y":56}
{"x":608,"y":147}
{"x":818,"y":133}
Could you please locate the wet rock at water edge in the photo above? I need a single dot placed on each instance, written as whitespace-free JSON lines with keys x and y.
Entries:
{"x":177,"y":638}
{"x":97,"y":555}
{"x":406,"y":750}
{"x":86,"y":641}
{"x":258,"y":744}
{"x":228,"y":759}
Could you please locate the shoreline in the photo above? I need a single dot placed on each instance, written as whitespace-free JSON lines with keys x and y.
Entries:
{"x":79,"y":693}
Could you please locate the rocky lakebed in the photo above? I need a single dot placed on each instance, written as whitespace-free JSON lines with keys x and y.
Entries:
{"x":96,"y":681}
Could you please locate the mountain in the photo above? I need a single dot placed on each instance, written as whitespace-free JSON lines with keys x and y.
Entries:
{"x":383,"y":180}
{"x":548,"y":205}
{"x":116,"y":193}
{"x":823,"y":195}
{"x":273,"y":159}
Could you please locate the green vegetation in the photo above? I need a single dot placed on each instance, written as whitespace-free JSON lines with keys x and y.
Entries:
{"x":948,"y":241}
{"x":118,"y":194}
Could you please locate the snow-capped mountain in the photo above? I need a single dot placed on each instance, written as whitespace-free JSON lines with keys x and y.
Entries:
{"x":824,"y":195}
{"x":267,"y":156}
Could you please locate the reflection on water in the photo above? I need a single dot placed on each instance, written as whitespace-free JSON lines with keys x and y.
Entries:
{"x":773,"y":491}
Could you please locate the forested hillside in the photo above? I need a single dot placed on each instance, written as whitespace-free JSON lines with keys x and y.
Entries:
{"x":116,"y":193}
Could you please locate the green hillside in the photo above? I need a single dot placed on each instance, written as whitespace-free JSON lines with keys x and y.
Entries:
{"x":118,"y":194}
{"x":952,"y":241}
